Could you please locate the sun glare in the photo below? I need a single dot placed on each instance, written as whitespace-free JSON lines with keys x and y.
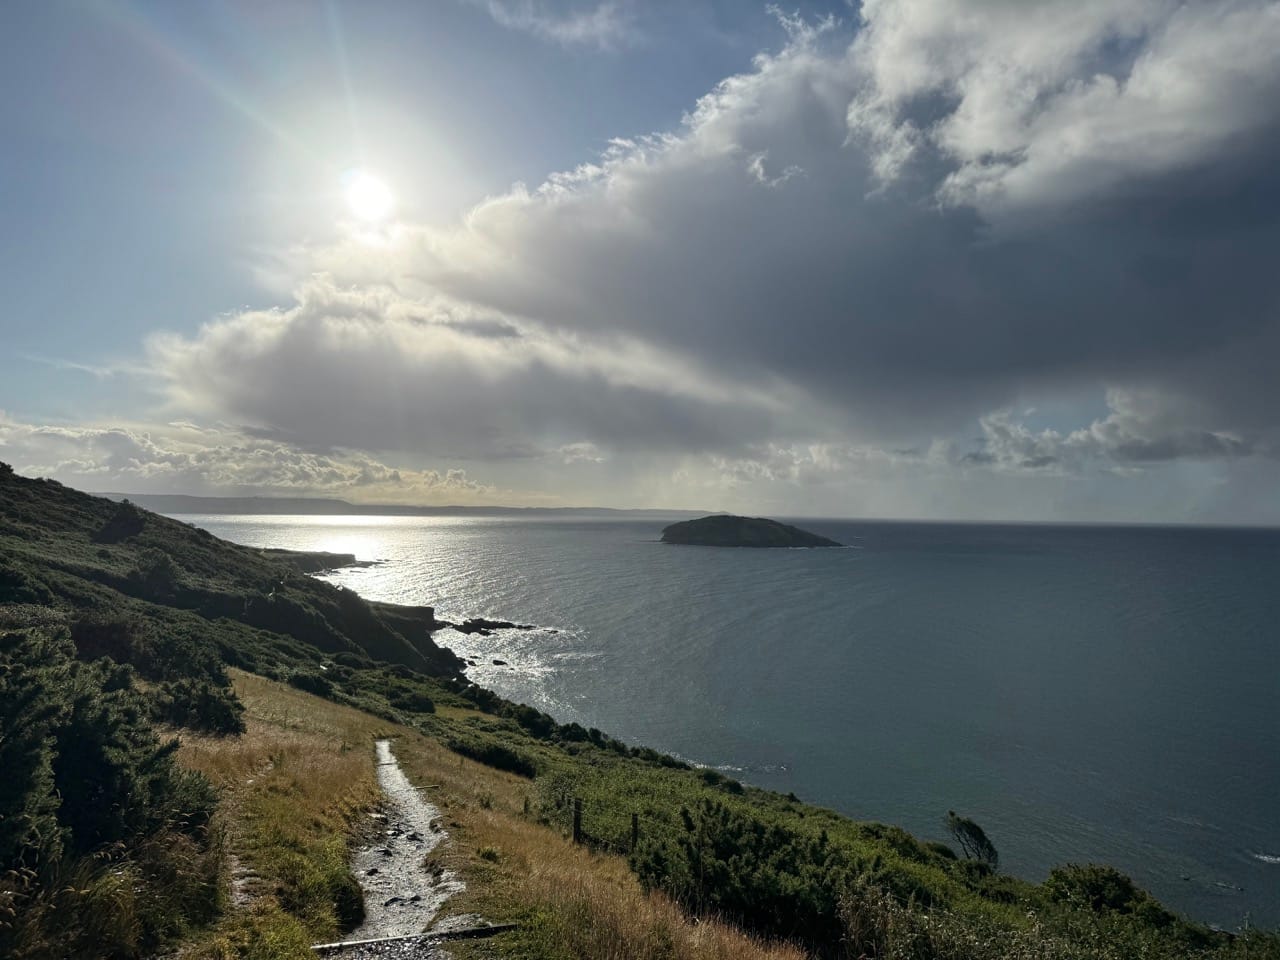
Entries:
{"x":368,"y":198}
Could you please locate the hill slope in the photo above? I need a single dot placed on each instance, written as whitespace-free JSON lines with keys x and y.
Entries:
{"x":256,"y":609}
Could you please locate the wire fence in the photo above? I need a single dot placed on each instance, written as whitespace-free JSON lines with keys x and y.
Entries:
{"x":605,"y":828}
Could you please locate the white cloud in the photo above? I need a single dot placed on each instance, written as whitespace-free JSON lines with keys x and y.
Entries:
{"x":1141,"y":429}
{"x":602,"y":25}
{"x":1047,"y":102}
{"x":222,"y":460}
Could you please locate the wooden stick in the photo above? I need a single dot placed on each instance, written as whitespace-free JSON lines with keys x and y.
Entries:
{"x":468,"y":933}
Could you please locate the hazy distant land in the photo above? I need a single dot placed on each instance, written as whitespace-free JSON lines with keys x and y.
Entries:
{"x":328,"y":506}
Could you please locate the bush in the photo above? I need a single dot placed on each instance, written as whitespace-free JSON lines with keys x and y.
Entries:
{"x":1100,"y":888}
{"x":764,"y":877}
{"x":311,"y":683}
{"x":156,"y":575}
{"x":99,"y":828}
{"x":126,"y":522}
{"x":17,"y":587}
{"x":495,"y":755}
{"x":413,"y":701}
{"x":198,"y":705}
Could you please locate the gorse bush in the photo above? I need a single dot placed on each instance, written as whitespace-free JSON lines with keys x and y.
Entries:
{"x":490,"y":752}
{"x":127,"y":521}
{"x":769,"y":880}
{"x":1105,"y":889}
{"x":87,"y":789}
{"x":192,"y":689}
{"x":198,"y":705}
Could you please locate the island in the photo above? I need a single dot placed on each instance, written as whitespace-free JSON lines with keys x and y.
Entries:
{"x":724,"y":530}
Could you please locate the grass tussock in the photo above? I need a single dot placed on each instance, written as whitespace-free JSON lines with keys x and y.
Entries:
{"x":116,"y":903}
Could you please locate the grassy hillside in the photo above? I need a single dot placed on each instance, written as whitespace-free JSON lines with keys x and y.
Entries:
{"x":120,"y":629}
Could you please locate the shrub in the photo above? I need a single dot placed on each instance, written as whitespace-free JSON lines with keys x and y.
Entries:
{"x":311,"y":683}
{"x":126,"y":522}
{"x":413,"y":701}
{"x":495,"y":755}
{"x":1101,"y":888}
{"x":767,"y":878}
{"x":103,"y":834}
{"x":18,"y":587}
{"x":155,"y":576}
{"x":198,"y":705}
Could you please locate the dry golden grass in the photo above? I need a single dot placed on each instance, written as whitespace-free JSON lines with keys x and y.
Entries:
{"x":573,"y":903}
{"x":293,"y":787}
{"x":297,"y":784}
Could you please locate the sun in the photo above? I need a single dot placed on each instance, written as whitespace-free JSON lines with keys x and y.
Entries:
{"x":368,"y":197}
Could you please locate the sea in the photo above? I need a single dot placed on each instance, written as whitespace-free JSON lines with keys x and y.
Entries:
{"x":1103,"y":694}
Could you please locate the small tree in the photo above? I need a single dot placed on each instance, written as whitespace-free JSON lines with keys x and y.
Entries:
{"x":973,"y":840}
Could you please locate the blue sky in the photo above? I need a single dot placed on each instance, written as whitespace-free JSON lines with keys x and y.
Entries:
{"x":954,"y":258}
{"x":153,"y":148}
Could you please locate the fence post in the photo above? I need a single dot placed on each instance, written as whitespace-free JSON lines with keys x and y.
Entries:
{"x":577,"y":819}
{"x":700,"y":895}
{"x":635,"y":831}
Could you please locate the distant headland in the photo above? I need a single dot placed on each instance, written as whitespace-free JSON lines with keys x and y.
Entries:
{"x":724,"y":530}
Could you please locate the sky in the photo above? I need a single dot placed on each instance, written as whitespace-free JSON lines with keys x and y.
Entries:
{"x":964,"y":259}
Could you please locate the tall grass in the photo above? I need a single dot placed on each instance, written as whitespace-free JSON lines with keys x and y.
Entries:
{"x":295,"y":787}
{"x":120,"y":902}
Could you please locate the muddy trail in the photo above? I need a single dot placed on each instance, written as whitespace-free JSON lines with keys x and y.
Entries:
{"x":404,"y":887}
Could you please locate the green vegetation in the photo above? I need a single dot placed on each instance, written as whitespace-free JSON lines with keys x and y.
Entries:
{"x":104,"y":848}
{"x":116,"y":623}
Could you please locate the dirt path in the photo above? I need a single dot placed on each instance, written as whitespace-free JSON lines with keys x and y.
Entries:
{"x":403,"y":888}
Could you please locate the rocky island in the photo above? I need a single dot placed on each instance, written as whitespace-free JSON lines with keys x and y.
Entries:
{"x":724,"y":530}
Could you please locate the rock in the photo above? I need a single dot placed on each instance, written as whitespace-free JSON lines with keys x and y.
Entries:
{"x":415,"y":837}
{"x":392,"y":901}
{"x":723,"y":530}
{"x":371,"y":872}
{"x":486,"y":627}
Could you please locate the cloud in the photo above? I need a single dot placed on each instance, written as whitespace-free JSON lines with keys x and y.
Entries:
{"x":868,"y":242}
{"x":1045,"y":103}
{"x":601,"y":25}
{"x":372,"y":368}
{"x":1141,"y":429}
{"x":192,"y":459}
